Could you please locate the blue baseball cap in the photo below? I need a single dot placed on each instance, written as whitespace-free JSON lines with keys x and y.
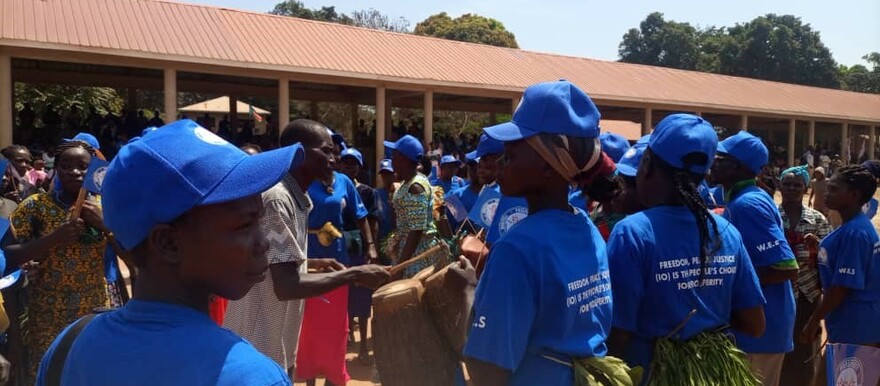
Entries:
{"x":181,"y":166}
{"x":645,"y":139}
{"x":385,"y":166}
{"x":448,"y":159}
{"x":551,"y":107}
{"x":629,"y":162}
{"x":409,"y":146}
{"x":352,"y":152}
{"x":472,"y":156}
{"x":614,"y":145}
{"x":747,"y":149}
{"x":87,"y":138}
{"x":489,"y":145}
{"x":678,"y":135}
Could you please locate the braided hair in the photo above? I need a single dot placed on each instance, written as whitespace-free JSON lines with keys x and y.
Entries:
{"x":72,"y":145}
{"x":686,"y":185}
{"x":860,"y":179}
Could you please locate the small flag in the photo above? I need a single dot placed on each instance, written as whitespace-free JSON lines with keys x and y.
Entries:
{"x":484,"y":209}
{"x":254,"y":114}
{"x":94,"y":178}
{"x":456,"y":207}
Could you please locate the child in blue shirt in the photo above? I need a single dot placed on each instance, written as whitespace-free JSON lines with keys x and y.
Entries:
{"x":187,"y":205}
{"x":560,"y":306}
{"x":752,"y":211}
{"x":848,"y":264}
{"x":676,"y":269}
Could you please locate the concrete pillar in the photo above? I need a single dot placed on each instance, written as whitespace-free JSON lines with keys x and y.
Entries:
{"x":389,"y":121}
{"x":428,"y":108}
{"x":170,"y":95}
{"x":6,"y":108}
{"x":283,"y":104}
{"x":792,"y":126}
{"x":514,"y":104}
{"x":844,"y":143}
{"x":381,"y":118}
{"x":872,"y":140}
{"x":744,"y":122}
{"x":647,"y":121}
{"x":811,"y":134}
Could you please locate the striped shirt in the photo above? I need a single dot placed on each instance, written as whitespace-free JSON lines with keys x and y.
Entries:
{"x":812,"y":221}
{"x":270,"y":324}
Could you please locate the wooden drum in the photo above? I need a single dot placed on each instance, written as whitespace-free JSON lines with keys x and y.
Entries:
{"x":448,"y":309}
{"x":409,"y":349}
{"x":424,"y":274}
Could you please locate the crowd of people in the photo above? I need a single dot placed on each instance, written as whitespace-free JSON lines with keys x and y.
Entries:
{"x":255,"y":267}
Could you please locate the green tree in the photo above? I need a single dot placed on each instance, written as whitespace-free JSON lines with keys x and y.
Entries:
{"x":294,"y":8}
{"x":659,"y":42}
{"x":780,"y":48}
{"x":467,"y":28}
{"x":371,"y":18}
{"x":859,"y":78}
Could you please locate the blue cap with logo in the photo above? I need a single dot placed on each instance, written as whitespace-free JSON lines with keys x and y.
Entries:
{"x":553,"y":108}
{"x":181,"y":166}
{"x":489,"y":145}
{"x":678,"y":135}
{"x":352,"y":152}
{"x":409,"y":146}
{"x":614,"y":145}
{"x":385,"y":166}
{"x":629,"y":162}
{"x":87,"y":138}
{"x":747,"y":149}
{"x":449,"y":159}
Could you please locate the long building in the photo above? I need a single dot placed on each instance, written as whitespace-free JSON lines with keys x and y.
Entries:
{"x":175,"y":47}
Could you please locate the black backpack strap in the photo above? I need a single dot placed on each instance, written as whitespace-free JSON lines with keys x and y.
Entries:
{"x":59,"y":356}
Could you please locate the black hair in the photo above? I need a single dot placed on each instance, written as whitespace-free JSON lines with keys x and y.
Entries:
{"x":686,"y":185}
{"x":73,"y":145}
{"x":601,"y":187}
{"x":304,"y":131}
{"x":426,"y":163}
{"x":858,"y":178}
{"x":8,"y":150}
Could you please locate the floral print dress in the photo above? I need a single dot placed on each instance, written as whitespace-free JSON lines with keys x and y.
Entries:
{"x":70,"y":281}
{"x":414,"y":213}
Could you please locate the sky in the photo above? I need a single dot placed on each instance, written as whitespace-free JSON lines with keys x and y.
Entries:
{"x":593,"y":29}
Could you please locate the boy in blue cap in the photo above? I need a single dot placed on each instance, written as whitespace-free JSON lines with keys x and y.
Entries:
{"x":754,"y":213}
{"x":559,"y":309}
{"x":467,"y":195}
{"x":677,"y":270}
{"x":448,"y":178}
{"x":186,"y":204}
{"x":614,"y":145}
{"x":387,"y":179}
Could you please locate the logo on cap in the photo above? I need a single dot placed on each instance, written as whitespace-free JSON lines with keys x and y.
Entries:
{"x":487,"y":212}
{"x":823,"y":256}
{"x":98,"y":176}
{"x":512,"y":217}
{"x":208,"y":137}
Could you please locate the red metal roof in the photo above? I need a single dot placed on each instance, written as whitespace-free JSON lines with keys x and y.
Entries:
{"x":203,"y":34}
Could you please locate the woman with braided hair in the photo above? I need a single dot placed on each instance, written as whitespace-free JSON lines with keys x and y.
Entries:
{"x":70,"y":281}
{"x":848,"y":265}
{"x":680,"y":274}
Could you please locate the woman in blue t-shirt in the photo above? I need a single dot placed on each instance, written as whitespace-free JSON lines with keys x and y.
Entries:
{"x":678,"y":271}
{"x":544,"y":299}
{"x":848,"y":269}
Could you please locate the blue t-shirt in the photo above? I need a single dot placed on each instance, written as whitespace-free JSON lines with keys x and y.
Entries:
{"x":757,"y":218}
{"x":383,"y":204}
{"x":850,"y":257}
{"x":655,"y":272}
{"x":560,"y":304}
{"x":870,"y":208}
{"x":510,"y":211}
{"x":150,"y":343}
{"x":343,"y":201}
{"x":578,"y":199}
